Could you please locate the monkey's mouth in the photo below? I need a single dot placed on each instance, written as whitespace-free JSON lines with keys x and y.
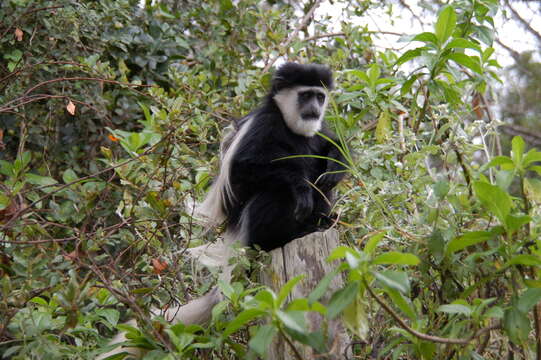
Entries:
{"x":310,"y":116}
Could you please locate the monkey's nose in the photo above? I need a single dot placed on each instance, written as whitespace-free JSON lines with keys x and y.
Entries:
{"x":310,"y":115}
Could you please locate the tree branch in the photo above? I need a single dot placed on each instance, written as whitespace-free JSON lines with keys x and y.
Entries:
{"x":529,"y":135}
{"x":524,"y":23}
{"x":299,"y":27}
{"x":423,"y":336}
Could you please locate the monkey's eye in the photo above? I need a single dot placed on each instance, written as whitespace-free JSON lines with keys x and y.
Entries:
{"x":320,"y":97}
{"x":304,"y":96}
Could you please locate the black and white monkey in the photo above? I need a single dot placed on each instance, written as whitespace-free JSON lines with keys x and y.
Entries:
{"x":276,"y":178}
{"x":266,"y":196}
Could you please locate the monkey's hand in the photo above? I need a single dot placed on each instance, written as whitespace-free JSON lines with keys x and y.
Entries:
{"x":328,"y":181}
{"x":304,"y":205}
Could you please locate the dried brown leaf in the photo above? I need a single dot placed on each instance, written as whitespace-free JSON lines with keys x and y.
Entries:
{"x":159,"y":266}
{"x":19,"y":34}
{"x":71,"y":108}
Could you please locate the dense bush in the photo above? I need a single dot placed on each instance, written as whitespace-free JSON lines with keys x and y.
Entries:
{"x":110,"y":115}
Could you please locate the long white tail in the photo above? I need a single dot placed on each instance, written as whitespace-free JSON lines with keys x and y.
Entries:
{"x":210,"y":212}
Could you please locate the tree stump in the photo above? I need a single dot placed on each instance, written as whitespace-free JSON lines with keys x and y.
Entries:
{"x":307,"y":256}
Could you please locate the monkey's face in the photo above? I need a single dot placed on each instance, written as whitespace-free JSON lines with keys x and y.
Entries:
{"x":303,"y":108}
{"x":311,"y":104}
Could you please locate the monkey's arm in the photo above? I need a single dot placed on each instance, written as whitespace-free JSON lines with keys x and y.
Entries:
{"x":249,"y":174}
{"x":334,"y":171}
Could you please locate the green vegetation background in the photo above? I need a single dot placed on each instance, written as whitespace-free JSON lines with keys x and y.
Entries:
{"x":110,"y":119}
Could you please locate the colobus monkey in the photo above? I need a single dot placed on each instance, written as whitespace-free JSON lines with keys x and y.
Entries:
{"x":275,"y":181}
{"x":267,"y":198}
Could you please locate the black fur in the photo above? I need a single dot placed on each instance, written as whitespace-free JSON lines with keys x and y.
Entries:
{"x":292,"y":74}
{"x":274,"y":202}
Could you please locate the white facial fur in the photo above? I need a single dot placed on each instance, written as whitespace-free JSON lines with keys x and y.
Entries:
{"x":287,"y":102}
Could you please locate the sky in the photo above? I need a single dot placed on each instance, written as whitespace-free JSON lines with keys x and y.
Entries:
{"x":508,"y":31}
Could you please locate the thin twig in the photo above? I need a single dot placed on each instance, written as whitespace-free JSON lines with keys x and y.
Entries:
{"x":23,"y":210}
{"x":299,"y":27}
{"x":423,"y":336}
{"x":71,"y":238}
{"x":26,"y":13}
{"x":82,"y":78}
{"x":321,"y":36}
{"x":288,"y":341}
{"x":524,"y":23}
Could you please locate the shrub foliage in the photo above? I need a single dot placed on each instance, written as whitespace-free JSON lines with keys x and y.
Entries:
{"x":110,"y":118}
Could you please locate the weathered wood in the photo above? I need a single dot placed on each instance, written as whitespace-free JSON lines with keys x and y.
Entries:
{"x":307,"y":256}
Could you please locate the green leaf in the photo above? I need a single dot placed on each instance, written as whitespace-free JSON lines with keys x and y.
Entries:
{"x":290,"y":321}
{"x":286,"y":289}
{"x":226,"y":5}
{"x":531,"y":156}
{"x":532,"y":188}
{"x":410,"y":54}
{"x":342,"y":298}
{"x":300,"y":304}
{"x":468,"y":239}
{"x":11,"y":351}
{"x":441,"y":188}
{"x":266,"y":297}
{"x":436,"y":244}
{"x":517,"y":149}
{"x":493,"y":198}
{"x":536,"y":168}
{"x":426,"y":37}
{"x":406,"y":87}
{"x":219,"y":309}
{"x":403,"y":303}
{"x":455,"y":309}
{"x":528,"y":299}
{"x":514,"y":222}
{"x":485,"y":34}
{"x":360,"y":74}
{"x":25,"y":158}
{"x":504,"y":162}
{"x":383,"y":127}
{"x":487,"y":53}
{"x":181,"y":340}
{"x":316,"y":340}
{"x":524,"y":259}
{"x":69,"y":176}
{"x":261,"y":341}
{"x":373,"y":74}
{"x":40,"y":180}
{"x":471,"y":62}
{"x":132,"y":331}
{"x":446,"y":23}
{"x":460,"y":43}
{"x":322,"y":286}
{"x":516,"y":324}
{"x":4,"y":201}
{"x":6,"y":168}
{"x":111,"y":315}
{"x":397,"y":280}
{"x":225,"y":287}
{"x":373,"y":241}
{"x":242,"y":319}
{"x":40,"y":301}
{"x":339,"y":253}
{"x":355,"y":318}
{"x":353,"y":260}
{"x":394,"y":257}
{"x":494,"y":312}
